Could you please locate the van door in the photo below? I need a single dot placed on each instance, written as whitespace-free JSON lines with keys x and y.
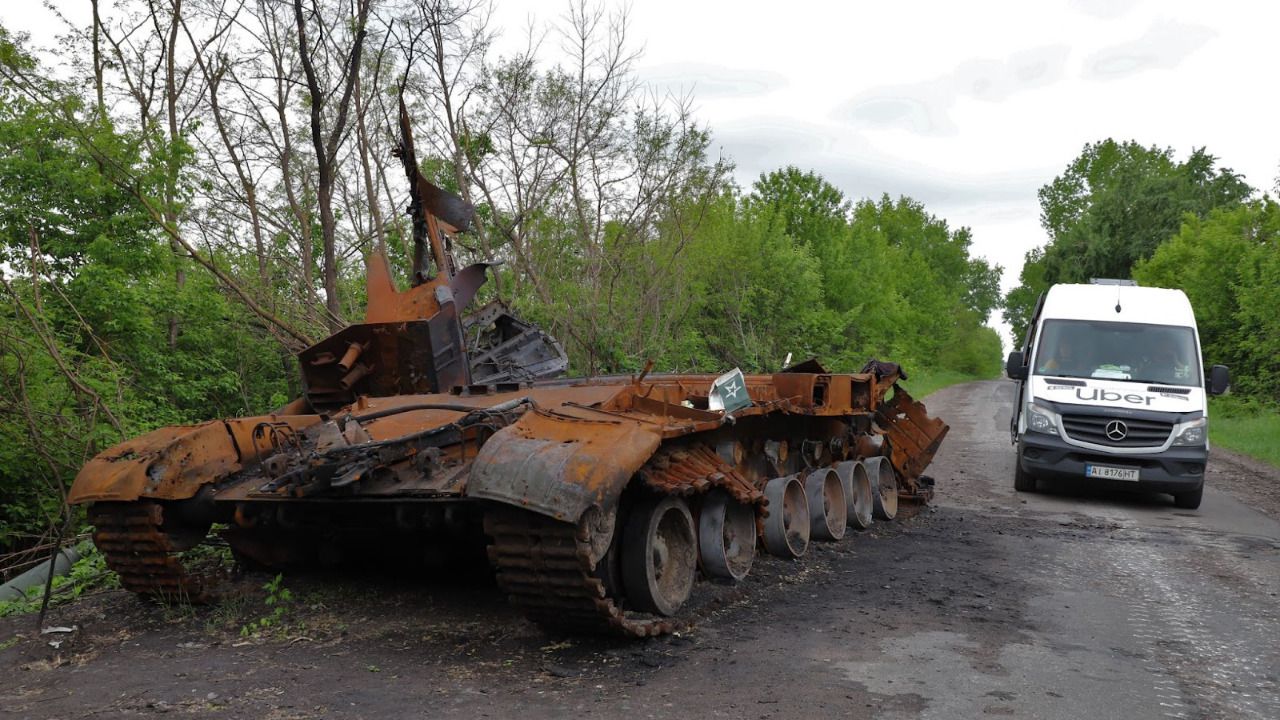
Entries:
{"x":1028,"y":343}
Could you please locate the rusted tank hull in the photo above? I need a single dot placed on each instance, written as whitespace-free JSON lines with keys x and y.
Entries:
{"x":581,"y":455}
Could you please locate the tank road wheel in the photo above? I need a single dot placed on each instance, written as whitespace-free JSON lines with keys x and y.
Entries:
{"x":659,"y":555}
{"x":884,"y":484}
{"x":857,"y":493}
{"x":726,"y":536}
{"x":828,"y":511}
{"x":786,"y":529}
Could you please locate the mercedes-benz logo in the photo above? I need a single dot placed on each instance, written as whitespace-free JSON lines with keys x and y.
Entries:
{"x":1117,"y":430}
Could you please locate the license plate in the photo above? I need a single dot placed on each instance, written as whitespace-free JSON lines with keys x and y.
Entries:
{"x":1110,"y":473}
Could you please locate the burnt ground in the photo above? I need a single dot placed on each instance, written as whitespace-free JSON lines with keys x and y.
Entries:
{"x":1058,"y":604}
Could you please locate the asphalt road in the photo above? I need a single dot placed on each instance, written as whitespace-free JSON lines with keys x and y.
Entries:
{"x":1139,"y":611}
{"x":1061,"y":604}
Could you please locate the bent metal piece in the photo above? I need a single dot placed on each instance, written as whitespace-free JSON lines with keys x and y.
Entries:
{"x":429,"y":426}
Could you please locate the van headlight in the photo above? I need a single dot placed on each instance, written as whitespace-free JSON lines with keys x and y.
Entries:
{"x":1191,"y":433}
{"x":1042,"y":420}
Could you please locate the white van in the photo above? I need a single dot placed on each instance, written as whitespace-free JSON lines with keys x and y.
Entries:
{"x":1111,"y":391}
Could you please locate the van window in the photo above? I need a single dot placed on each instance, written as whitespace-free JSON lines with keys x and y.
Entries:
{"x":1157,"y":354}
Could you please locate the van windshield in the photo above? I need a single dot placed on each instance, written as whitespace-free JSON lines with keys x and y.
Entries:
{"x":1158,"y":354}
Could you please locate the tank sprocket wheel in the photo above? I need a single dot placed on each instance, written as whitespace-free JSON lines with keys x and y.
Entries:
{"x":147,"y":554}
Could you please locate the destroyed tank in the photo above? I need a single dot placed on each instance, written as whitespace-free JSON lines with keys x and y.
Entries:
{"x":601,"y":500}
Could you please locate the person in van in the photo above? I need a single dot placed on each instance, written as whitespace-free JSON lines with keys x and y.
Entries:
{"x":1066,"y":359}
{"x":1166,"y":364}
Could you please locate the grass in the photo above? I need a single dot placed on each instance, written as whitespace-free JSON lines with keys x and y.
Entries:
{"x":1247,"y":428}
{"x":923,"y":382}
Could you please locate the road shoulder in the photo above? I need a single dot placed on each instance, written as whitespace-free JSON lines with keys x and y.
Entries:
{"x":1250,"y":481}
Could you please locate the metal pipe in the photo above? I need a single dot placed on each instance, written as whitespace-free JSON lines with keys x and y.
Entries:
{"x":349,"y":358}
{"x":499,"y":408}
{"x":16,"y":588}
{"x":357,"y":373}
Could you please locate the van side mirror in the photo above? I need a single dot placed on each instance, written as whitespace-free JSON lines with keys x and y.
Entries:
{"x":1014,"y":367}
{"x":1219,"y":379}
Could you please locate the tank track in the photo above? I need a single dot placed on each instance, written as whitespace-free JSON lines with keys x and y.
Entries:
{"x":544,"y":567}
{"x":131,"y":538}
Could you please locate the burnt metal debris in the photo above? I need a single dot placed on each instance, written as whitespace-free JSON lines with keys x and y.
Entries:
{"x":600,"y":500}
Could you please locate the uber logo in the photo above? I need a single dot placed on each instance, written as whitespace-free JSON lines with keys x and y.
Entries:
{"x":1098,"y":394}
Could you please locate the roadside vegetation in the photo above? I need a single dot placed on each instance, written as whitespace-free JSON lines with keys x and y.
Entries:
{"x":188,"y":192}
{"x":87,"y":575}
{"x":1249,"y":428}
{"x":1124,"y":210}
{"x":921,"y":383}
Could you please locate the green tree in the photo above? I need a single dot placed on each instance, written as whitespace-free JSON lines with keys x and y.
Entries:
{"x":1113,"y":206}
{"x":1229,"y":265}
{"x":86,"y":357}
{"x":745,"y":314}
{"x":919,"y":291}
{"x":815,"y":215}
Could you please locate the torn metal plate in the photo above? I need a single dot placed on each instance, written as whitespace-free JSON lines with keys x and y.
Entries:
{"x":729,"y":392}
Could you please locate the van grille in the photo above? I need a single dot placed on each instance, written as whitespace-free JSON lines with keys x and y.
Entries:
{"x":1138,"y":433}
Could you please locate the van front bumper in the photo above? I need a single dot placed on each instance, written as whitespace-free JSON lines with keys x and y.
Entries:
{"x":1176,"y":470}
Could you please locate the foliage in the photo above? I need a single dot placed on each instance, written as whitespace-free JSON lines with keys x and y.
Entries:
{"x":1124,"y":210}
{"x":1228,"y":264}
{"x":1113,"y":206}
{"x":102,"y":337}
{"x":279,"y":601}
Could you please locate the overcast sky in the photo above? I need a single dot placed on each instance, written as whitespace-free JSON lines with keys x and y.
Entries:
{"x":968,"y":107}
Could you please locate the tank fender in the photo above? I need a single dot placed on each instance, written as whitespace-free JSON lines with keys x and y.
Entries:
{"x":173,"y":463}
{"x":558,"y":468}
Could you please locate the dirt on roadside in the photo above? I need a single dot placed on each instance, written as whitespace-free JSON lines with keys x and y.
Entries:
{"x":1250,"y":481}
{"x":371,"y":646}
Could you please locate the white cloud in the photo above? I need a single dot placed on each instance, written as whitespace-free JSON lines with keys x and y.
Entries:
{"x":1108,"y":9}
{"x":706,"y":80}
{"x":1164,"y":45}
{"x":924,"y":108}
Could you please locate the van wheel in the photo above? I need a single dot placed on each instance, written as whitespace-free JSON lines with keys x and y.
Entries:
{"x":1023,"y":481}
{"x":1189,"y":500}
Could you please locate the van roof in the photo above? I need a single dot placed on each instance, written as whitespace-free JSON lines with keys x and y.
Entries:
{"x":1155,"y":306}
